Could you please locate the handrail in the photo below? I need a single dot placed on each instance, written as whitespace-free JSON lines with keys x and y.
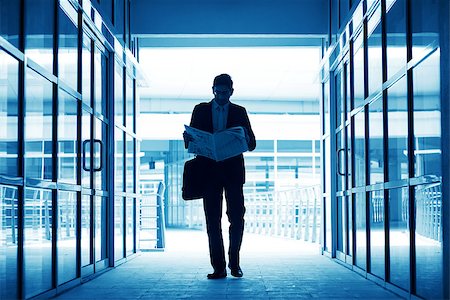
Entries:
{"x":293,"y":213}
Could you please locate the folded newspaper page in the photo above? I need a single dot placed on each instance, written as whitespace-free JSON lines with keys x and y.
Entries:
{"x":219,"y":145}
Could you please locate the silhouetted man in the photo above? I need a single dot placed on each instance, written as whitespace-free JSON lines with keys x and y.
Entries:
{"x":227,"y":175}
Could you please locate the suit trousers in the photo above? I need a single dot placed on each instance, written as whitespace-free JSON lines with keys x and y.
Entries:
{"x":212,"y":204}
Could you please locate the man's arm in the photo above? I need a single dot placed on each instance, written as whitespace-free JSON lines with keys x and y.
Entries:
{"x":250,"y":136}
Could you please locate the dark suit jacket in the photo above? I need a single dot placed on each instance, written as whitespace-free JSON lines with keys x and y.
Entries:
{"x":237,"y":116}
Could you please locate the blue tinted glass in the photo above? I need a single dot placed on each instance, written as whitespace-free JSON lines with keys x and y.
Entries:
{"x":38,"y":126}
{"x":86,"y":253}
{"x":118,"y":94}
{"x":424,"y":25}
{"x":39,"y":29}
{"x":429,"y":255}
{"x":375,"y":151}
{"x":9,"y":68}
{"x":67,"y":239}
{"x":360,"y":223}
{"x":374,"y":53}
{"x":118,"y":228}
{"x":397,"y":105}
{"x":427,"y":117}
{"x":358,"y":72}
{"x":37,"y":241}
{"x":399,"y":237}
{"x":130,"y":232}
{"x":8,"y":242}
{"x":10,"y":21}
{"x":395,"y":36}
{"x":68,"y":45}
{"x":67,"y":138}
{"x":377,"y":236}
{"x":359,"y":148}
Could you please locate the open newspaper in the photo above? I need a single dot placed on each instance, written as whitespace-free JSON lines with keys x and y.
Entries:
{"x":219,"y":145}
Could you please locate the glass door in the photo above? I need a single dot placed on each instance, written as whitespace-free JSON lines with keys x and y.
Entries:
{"x":94,"y":133}
{"x":343,"y":213}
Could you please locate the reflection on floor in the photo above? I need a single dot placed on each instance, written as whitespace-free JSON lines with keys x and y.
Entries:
{"x":273,"y":268}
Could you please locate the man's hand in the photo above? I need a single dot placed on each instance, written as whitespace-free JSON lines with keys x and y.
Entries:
{"x":187,"y":137}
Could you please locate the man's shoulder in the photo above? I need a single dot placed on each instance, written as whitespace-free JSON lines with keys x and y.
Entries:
{"x":237,"y":107}
{"x":203,"y":105}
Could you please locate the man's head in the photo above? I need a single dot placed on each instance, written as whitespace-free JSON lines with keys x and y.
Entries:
{"x":222,"y":88}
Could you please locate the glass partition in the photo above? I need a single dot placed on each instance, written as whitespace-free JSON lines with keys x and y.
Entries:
{"x":8,"y":243}
{"x":37,"y":241}
{"x":67,"y":237}
{"x":9,"y":68}
{"x":67,"y":138}
{"x":38,"y":126}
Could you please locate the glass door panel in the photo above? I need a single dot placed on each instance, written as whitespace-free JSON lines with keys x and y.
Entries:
{"x":86,"y":231}
{"x":100,"y":228}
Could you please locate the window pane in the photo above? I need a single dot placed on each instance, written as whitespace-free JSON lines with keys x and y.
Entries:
{"x":130,"y":164}
{"x":100,"y":81}
{"x":428,"y":234}
{"x":374,"y":60}
{"x":130,"y":103}
{"x":424,"y":25}
{"x":339,"y":91}
{"x":8,"y":242}
{"x":37,"y":241}
{"x":130,"y":232}
{"x":118,"y":227}
{"x":86,"y":149}
{"x":9,"y":68}
{"x":67,"y":240}
{"x":376,"y":160}
{"x":67,"y":138}
{"x":10,"y":24}
{"x":359,"y":150}
{"x":377,"y":233}
{"x":68,"y":45}
{"x":119,"y":161}
{"x":326,"y":107}
{"x":360,"y":223}
{"x":427,"y":117}
{"x":399,"y":237}
{"x":118,"y":93}
{"x":397,"y":105}
{"x":358,"y":72}
{"x":100,"y":228}
{"x":100,"y":156}
{"x":38,"y":126}
{"x":39,"y":29}
{"x":86,"y":70}
{"x":86,"y":254}
{"x":395,"y":37}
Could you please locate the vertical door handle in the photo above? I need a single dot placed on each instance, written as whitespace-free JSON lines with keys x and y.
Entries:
{"x":101,"y":155}
{"x":85,"y":142}
{"x":339,"y":162}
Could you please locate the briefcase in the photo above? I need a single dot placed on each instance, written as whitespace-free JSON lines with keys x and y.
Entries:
{"x":193,"y":179}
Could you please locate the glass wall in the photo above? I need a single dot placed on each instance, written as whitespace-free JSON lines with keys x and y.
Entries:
{"x":57,"y":132}
{"x":394,"y":143}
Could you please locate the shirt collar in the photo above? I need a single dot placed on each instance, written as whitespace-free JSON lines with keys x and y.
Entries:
{"x":216,"y":105}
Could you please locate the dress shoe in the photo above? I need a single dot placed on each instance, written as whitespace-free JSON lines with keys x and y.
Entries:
{"x":218,"y":274}
{"x":236,"y":272}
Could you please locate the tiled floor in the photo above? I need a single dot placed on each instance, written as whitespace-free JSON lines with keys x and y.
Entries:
{"x":273,"y":268}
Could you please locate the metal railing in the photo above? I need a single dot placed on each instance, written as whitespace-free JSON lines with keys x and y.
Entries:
{"x":151,"y":220}
{"x":294,"y":213}
{"x":428,"y":211}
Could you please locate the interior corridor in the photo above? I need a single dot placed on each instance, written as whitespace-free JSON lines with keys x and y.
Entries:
{"x":274,"y":268}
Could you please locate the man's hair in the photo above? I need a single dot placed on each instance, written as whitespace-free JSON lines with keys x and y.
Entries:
{"x":223,"y":79}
